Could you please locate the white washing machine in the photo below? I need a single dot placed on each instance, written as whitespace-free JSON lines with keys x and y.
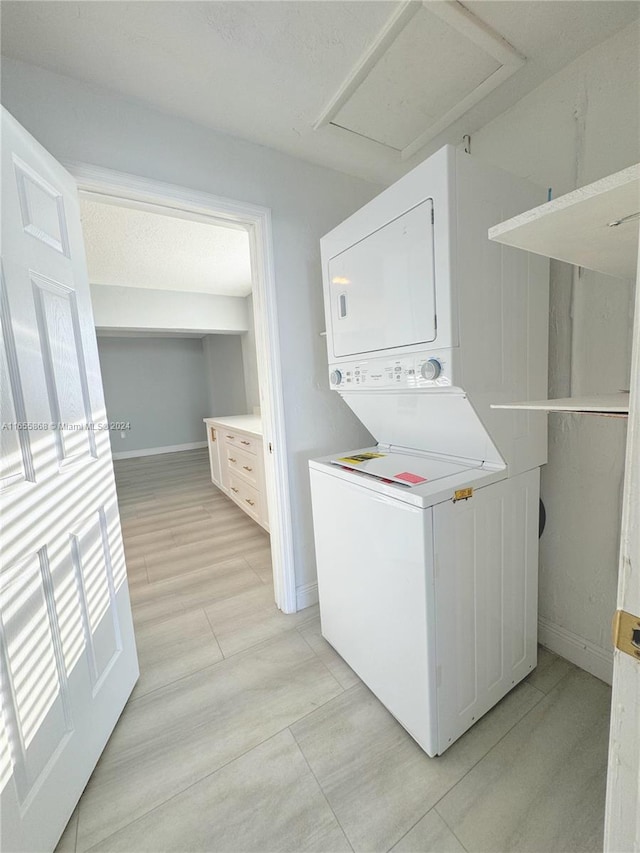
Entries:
{"x":426,"y":543}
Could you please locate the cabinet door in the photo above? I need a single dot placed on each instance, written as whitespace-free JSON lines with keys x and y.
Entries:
{"x":382,"y":289}
{"x":214,"y":456}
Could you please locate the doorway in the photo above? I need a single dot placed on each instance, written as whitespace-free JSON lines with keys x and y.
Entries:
{"x":111,"y":187}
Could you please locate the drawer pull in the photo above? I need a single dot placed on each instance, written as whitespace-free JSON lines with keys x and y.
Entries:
{"x":231,"y":459}
{"x":231,"y":436}
{"x":247,"y":468}
{"x":245,"y":442}
{"x":251,"y":503}
{"x":234,"y":490}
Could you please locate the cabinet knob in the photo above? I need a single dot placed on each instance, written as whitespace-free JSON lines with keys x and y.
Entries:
{"x":234,"y":490}
{"x":231,"y":459}
{"x":247,"y":468}
{"x":251,"y":503}
{"x":245,"y":442}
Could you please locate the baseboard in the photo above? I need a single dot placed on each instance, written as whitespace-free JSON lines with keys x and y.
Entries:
{"x":306,"y":596}
{"x":154,"y":451}
{"x":581,"y":652}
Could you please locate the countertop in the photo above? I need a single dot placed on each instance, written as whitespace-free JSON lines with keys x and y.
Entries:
{"x":245,"y":423}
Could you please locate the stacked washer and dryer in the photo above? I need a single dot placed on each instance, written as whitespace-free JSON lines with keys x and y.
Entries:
{"x":427,"y":541}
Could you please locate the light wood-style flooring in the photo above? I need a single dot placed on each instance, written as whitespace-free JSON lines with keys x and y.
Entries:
{"x":247,"y":732}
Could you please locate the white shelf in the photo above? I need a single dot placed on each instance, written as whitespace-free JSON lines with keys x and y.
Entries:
{"x":600,"y":404}
{"x":577,"y":227}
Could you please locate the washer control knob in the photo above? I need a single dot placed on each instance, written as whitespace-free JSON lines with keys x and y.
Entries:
{"x":431,"y":369}
{"x":336,"y":377}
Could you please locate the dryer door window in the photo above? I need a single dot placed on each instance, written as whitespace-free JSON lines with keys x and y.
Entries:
{"x":382,"y":289}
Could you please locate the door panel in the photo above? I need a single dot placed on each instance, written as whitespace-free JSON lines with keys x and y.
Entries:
{"x":15,"y":453}
{"x":92,"y":562}
{"x":622,"y":813}
{"x":68,"y":660}
{"x":58,"y":326}
{"x":40,"y":713}
{"x":41,"y":208}
{"x":486,"y":553}
{"x":382,"y":289}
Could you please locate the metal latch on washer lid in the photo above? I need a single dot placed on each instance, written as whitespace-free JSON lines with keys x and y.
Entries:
{"x":462,"y":494}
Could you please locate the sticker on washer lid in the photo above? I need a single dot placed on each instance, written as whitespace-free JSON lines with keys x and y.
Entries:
{"x":408,"y":477}
{"x":358,"y":458}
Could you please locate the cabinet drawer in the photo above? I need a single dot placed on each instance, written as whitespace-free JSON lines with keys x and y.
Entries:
{"x":244,"y":442}
{"x":243,"y":464}
{"x":245,"y":495}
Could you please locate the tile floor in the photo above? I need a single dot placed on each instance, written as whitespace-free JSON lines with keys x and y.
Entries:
{"x":247,"y":732}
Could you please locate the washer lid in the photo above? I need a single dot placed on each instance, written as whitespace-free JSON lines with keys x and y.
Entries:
{"x":427,"y":420}
{"x":392,"y":466}
{"x":443,"y":477}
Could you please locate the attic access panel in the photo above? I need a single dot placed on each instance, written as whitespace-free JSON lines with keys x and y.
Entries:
{"x":430,"y":64}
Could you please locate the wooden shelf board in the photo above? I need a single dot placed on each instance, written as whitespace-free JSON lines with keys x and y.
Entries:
{"x":599,"y":404}
{"x":576,"y":227}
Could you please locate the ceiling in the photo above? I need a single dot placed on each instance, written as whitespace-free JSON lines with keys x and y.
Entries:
{"x":369,"y":88}
{"x":130,"y":247}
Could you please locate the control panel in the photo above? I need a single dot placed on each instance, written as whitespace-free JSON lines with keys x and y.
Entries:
{"x":420,"y":370}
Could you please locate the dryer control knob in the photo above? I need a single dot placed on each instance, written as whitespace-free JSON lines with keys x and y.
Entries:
{"x":336,"y":377}
{"x":431,"y":369}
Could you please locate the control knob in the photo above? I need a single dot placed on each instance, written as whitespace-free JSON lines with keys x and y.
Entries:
{"x":336,"y":377}
{"x":431,"y":369}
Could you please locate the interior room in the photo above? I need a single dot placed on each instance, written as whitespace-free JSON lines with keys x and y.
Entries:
{"x":320,"y":443}
{"x":168,"y":393}
{"x":169,"y":259}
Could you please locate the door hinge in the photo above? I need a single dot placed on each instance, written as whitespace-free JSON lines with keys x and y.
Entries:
{"x":626,"y":633}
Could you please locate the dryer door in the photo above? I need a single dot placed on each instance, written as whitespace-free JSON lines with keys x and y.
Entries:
{"x":382,"y":289}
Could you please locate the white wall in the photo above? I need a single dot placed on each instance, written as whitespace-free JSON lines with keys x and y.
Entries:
{"x":85,"y":124}
{"x":250,"y":360}
{"x":142,"y":309}
{"x":226,"y":393}
{"x":159,"y":386}
{"x":579,"y":126}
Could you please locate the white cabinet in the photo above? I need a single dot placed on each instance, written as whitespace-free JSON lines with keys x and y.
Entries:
{"x":237,"y":462}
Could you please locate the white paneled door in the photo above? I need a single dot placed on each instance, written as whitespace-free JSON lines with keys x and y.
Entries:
{"x":622,"y":816}
{"x":68,"y":661}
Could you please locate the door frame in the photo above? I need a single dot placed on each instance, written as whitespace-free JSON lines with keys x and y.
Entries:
{"x":128,"y":190}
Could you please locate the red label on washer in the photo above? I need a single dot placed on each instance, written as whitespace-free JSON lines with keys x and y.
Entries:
{"x":410,"y":478}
